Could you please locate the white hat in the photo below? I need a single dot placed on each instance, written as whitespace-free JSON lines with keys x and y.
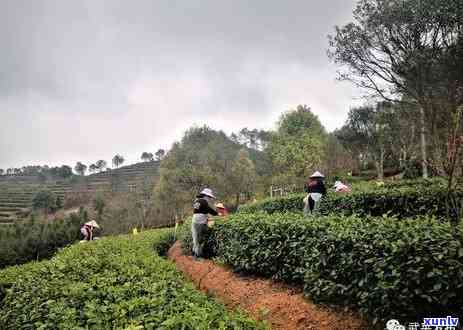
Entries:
{"x":317,"y":175}
{"x":92,"y":224}
{"x":207,"y":192}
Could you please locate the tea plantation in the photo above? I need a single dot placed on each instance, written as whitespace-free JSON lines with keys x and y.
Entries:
{"x":401,"y":199}
{"x":114,"y":283}
{"x":385,"y":251}
{"x":404,"y":266}
{"x":18,"y":191}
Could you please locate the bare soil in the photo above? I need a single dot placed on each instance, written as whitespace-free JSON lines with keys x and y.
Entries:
{"x":281,"y":306}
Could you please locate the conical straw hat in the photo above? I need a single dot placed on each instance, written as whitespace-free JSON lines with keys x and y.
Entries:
{"x":92,"y":224}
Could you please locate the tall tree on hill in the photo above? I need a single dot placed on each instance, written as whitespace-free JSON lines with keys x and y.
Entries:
{"x":31,"y":170}
{"x":80,"y":168}
{"x":252,"y":138}
{"x":160,"y":154}
{"x":101,"y":165}
{"x":406,"y":49}
{"x":1,"y":171}
{"x":64,"y":171}
{"x":118,"y":160}
{"x":147,"y":156}
{"x":297,"y":148}
{"x":92,"y":168}
{"x":45,"y":200}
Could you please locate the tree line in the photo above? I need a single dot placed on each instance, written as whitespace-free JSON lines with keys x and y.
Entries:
{"x":46,"y":172}
{"x":407,"y":56}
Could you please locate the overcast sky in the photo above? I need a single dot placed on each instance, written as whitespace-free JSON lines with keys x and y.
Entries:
{"x":83,"y":80}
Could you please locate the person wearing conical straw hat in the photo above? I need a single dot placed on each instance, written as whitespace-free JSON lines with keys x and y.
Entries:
{"x":315,"y":189}
{"x":221,"y":209}
{"x":87,"y":230}
{"x":201,"y":210}
{"x":340,"y":187}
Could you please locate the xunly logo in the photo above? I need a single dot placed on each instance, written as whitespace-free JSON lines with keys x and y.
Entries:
{"x":441,"y":321}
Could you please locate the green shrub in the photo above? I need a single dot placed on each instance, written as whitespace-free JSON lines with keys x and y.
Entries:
{"x":45,"y":200}
{"x":292,"y":203}
{"x":401,"y":202}
{"x":420,"y":182}
{"x":383,"y":267}
{"x":405,"y":201}
{"x":33,"y":240}
{"x":113,"y":283}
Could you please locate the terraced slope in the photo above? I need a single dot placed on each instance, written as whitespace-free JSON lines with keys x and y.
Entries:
{"x":127,"y":178}
{"x":16,"y":193}
{"x":16,"y":199}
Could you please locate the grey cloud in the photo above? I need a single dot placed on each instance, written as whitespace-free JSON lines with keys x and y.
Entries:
{"x":81,"y":80}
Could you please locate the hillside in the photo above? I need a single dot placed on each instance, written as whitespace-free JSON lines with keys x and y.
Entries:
{"x":17,"y":192}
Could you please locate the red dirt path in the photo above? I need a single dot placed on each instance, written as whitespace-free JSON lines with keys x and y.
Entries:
{"x":282,"y":307}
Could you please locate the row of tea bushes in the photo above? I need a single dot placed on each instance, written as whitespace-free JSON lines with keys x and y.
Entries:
{"x":113,"y":283}
{"x":401,"y":202}
{"x":383,"y":267}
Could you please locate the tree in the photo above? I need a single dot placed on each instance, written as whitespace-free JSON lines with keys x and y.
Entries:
{"x":297,"y":148}
{"x":147,"y":156}
{"x":31,"y":170}
{"x":118,"y":160}
{"x":242,"y":177}
{"x":17,"y":171}
{"x":45,"y":200}
{"x":253,"y":139}
{"x":92,"y":168}
{"x":9,"y":171}
{"x":64,"y":171}
{"x":300,"y":120}
{"x":80,"y":168}
{"x":1,"y":171}
{"x":405,"y":48}
{"x":160,"y":154}
{"x":101,"y":165}
{"x":447,"y":167}
{"x":370,"y":130}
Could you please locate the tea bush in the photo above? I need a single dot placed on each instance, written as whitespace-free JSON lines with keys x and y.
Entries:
{"x":292,"y":203}
{"x":33,"y":240}
{"x":402,"y":202}
{"x":383,"y":267}
{"x":113,"y":283}
{"x":46,"y":200}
